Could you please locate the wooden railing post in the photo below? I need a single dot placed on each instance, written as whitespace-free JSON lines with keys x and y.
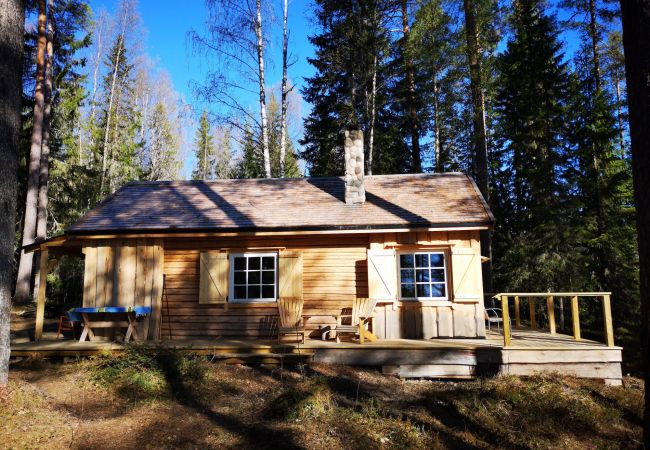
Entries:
{"x":506,"y":320}
{"x":531,"y":310}
{"x":575,"y":317}
{"x":607,"y":319}
{"x":551,"y":314}
{"x":517,"y":315}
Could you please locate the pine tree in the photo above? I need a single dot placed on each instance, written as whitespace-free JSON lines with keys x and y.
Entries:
{"x":531,"y":239}
{"x":204,"y":150}
{"x":223,"y":165}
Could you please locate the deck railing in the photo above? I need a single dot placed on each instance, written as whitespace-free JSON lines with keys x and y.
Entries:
{"x":550,"y":297}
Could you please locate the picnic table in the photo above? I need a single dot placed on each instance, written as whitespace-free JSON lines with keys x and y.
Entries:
{"x":109,"y":317}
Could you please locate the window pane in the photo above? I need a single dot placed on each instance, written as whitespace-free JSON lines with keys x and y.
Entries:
{"x":253,"y":278}
{"x":422,"y":275}
{"x":424,"y":290}
{"x":408,"y":290}
{"x":240,"y":277}
{"x":406,"y":260}
{"x":421,"y":260}
{"x":437,"y":290}
{"x":254,"y":263}
{"x":407,"y":276}
{"x":437,"y":259}
{"x":268,"y":262}
{"x":268,"y":277}
{"x":240,"y":263}
{"x":268,"y":291}
{"x":240,"y":291}
{"x":253,"y":292}
{"x":437,"y":274}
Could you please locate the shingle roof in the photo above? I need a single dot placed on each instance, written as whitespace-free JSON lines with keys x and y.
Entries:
{"x":392,"y":201}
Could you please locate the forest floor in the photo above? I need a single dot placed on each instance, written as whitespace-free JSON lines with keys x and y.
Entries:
{"x":154,"y":398}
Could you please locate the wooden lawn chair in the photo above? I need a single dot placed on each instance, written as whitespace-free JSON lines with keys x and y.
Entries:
{"x":363,"y":310}
{"x":291,"y":321}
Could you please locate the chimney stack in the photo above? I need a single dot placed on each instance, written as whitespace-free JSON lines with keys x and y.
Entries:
{"x":355,"y":191}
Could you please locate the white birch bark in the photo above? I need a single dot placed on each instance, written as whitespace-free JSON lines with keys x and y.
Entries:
{"x":260,"y":64}
{"x":283,"y":114}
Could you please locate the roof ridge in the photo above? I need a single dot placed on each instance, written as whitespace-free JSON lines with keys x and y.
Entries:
{"x":249,"y":180}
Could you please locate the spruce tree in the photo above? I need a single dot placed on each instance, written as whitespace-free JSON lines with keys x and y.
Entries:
{"x":204,"y":150}
{"x":531,"y":247}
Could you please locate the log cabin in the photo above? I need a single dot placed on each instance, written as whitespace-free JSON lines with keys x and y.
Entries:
{"x":212,"y":257}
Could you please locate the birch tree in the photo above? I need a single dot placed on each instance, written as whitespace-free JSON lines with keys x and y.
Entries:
{"x":284,"y":100}
{"x":11,"y":54}
{"x":31,"y":201}
{"x":236,"y":38}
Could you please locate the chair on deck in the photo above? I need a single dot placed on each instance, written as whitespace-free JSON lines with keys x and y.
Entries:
{"x":69,"y":322}
{"x":494,"y":315}
{"x":363,"y":310}
{"x":291,"y":321}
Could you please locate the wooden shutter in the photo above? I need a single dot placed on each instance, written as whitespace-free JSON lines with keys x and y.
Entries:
{"x":382,"y":274}
{"x":290,"y":274}
{"x":466,"y":275}
{"x":213,"y":287}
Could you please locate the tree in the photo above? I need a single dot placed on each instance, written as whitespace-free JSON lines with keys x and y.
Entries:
{"x":354,"y":87}
{"x":236,"y":37}
{"x":204,"y":150}
{"x":636,"y":39}
{"x":285,"y":90}
{"x":11,"y":54}
{"x":223,"y":165}
{"x":413,"y":120}
{"x":532,"y":112}
{"x":440,"y":62}
{"x":23,"y":281}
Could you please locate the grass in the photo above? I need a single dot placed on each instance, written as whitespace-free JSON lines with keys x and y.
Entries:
{"x":157,"y":398}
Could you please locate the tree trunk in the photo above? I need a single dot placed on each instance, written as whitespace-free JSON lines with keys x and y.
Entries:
{"x":102,"y":183}
{"x":260,"y":65}
{"x":283,"y":119}
{"x":593,"y":34}
{"x":619,"y":116}
{"x":436,"y":126}
{"x":410,"y":85}
{"x":479,"y":129}
{"x":636,"y":42}
{"x":373,"y":114}
{"x":41,"y":219}
{"x":31,"y":201}
{"x":11,"y":54}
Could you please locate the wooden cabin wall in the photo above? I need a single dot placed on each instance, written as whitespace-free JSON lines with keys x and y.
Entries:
{"x":335,"y":270}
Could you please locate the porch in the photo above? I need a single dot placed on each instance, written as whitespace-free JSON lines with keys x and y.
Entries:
{"x":529,"y":351}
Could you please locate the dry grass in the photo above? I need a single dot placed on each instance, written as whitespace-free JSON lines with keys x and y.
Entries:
{"x":154,"y":399}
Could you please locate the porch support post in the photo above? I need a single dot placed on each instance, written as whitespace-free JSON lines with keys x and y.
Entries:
{"x":551,"y":314}
{"x":517,"y":313}
{"x":575,"y":317}
{"x":505,"y":314}
{"x":607,"y":319}
{"x":40,"y":302}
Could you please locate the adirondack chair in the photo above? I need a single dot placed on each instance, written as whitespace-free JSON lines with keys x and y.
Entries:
{"x":363,"y":310}
{"x":291,"y":322}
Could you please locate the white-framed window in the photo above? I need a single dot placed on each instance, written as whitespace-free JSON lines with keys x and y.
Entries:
{"x":423,"y":275}
{"x":254,"y":277}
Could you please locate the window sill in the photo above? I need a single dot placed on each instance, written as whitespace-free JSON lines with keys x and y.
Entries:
{"x":425,"y":302}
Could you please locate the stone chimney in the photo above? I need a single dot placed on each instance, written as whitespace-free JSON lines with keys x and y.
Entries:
{"x":355,"y":191}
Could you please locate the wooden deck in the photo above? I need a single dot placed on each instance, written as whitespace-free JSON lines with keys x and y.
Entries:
{"x":530,"y":352}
